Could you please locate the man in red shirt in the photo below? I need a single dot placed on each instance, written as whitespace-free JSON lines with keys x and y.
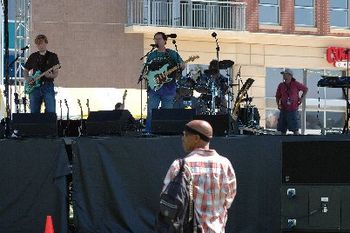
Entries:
{"x":288,"y":101}
{"x":213,"y":177}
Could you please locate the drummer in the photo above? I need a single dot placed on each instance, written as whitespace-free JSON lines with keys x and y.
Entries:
{"x":220,"y":80}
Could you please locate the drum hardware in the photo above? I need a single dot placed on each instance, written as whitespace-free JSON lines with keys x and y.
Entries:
{"x":225,"y":64}
{"x":211,"y":71}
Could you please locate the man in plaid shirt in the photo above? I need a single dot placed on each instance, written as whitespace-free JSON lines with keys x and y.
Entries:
{"x":214,"y":180}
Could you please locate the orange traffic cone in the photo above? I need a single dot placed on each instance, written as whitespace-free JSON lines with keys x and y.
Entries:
{"x":49,"y":225}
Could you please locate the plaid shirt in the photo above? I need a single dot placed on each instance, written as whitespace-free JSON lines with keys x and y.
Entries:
{"x":214,"y":184}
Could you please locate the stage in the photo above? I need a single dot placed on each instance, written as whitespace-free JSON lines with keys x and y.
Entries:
{"x":117,"y":180}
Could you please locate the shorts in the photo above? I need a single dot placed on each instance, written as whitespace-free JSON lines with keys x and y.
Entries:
{"x":288,"y":120}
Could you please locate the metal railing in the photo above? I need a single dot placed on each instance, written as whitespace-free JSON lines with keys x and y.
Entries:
{"x":187,"y":14}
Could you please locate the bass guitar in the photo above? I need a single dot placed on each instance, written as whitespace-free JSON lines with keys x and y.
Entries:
{"x":157,"y":78}
{"x":34,"y":81}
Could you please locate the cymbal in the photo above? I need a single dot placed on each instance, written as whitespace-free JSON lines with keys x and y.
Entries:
{"x":211,"y":71}
{"x":224,"y":64}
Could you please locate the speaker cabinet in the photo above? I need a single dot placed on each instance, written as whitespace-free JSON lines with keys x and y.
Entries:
{"x":315,"y":162}
{"x":223,"y":124}
{"x":115,"y":122}
{"x":170,"y":121}
{"x":315,"y":208}
{"x":35,"y":124}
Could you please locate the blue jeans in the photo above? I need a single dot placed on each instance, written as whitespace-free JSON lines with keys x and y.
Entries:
{"x":153,"y":101}
{"x":44,"y":93}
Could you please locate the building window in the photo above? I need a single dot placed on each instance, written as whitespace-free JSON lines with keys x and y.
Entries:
{"x":304,"y":12}
{"x":325,"y":107}
{"x":269,"y":12}
{"x":339,"y":13}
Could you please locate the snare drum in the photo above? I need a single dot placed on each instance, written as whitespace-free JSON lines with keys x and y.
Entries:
{"x":203,"y":84}
{"x":185,"y":86}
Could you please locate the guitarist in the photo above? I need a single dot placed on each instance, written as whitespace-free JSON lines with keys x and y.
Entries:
{"x":155,"y":60}
{"x":42,"y":60}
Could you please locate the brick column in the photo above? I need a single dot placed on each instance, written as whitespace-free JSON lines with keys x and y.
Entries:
{"x":322,"y":17}
{"x":252,"y":15}
{"x":287,"y":16}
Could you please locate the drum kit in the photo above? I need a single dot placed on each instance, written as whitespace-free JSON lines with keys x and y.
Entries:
{"x":209,"y":92}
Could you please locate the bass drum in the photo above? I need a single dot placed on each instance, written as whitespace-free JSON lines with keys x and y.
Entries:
{"x":203,"y":84}
{"x":185,"y":86}
{"x":249,"y":116}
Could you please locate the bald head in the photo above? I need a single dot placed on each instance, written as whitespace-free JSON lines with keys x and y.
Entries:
{"x":200,"y":127}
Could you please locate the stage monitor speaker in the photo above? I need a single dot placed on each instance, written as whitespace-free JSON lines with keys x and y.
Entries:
{"x":35,"y":124}
{"x":315,"y":162}
{"x":2,"y":128}
{"x":222,"y":124}
{"x":170,"y":121}
{"x":115,"y":122}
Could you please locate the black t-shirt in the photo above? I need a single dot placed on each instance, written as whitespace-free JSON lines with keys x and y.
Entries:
{"x":36,"y":62}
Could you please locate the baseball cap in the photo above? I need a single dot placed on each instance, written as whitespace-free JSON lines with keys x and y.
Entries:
{"x":287,"y":71}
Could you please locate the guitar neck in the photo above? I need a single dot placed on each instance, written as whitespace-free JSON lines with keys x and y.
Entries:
{"x":43,"y":74}
{"x":175,"y":68}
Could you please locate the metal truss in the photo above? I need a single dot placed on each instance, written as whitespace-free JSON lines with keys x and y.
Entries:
{"x":22,"y":39}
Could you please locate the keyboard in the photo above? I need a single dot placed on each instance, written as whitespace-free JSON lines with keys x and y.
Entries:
{"x":334,"y":81}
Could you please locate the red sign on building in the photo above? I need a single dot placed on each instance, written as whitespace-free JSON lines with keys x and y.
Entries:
{"x":338,"y":56}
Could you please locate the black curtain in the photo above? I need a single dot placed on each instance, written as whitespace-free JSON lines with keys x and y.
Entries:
{"x":33,"y":185}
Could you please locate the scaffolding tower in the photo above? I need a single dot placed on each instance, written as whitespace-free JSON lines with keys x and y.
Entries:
{"x":22,"y":39}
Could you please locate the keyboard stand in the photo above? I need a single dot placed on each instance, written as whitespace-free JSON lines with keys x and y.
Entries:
{"x":347,"y":117}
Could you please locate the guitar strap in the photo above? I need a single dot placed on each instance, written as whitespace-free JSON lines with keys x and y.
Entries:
{"x":171,"y":62}
{"x":169,"y":59}
{"x":43,"y":62}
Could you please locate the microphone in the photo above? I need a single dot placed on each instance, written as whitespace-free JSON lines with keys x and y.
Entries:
{"x":154,"y":45}
{"x":173,"y":35}
{"x":214,"y":34}
{"x":25,"y":48}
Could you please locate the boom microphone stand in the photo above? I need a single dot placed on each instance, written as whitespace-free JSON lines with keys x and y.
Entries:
{"x":141,"y":77}
{"x":213,"y":96}
{"x":217,"y":47}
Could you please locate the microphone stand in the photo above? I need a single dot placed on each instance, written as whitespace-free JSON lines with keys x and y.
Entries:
{"x":218,"y":69}
{"x":177,"y":55}
{"x":217,"y":47}
{"x":142,"y":78}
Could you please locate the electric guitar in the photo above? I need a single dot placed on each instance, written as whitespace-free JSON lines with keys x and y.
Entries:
{"x":60,"y":126}
{"x":80,"y":128}
{"x":88,"y":106}
{"x":157,"y":78}
{"x":121,"y":106}
{"x":124,"y":97}
{"x":34,"y":80}
{"x":66,"y":130}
